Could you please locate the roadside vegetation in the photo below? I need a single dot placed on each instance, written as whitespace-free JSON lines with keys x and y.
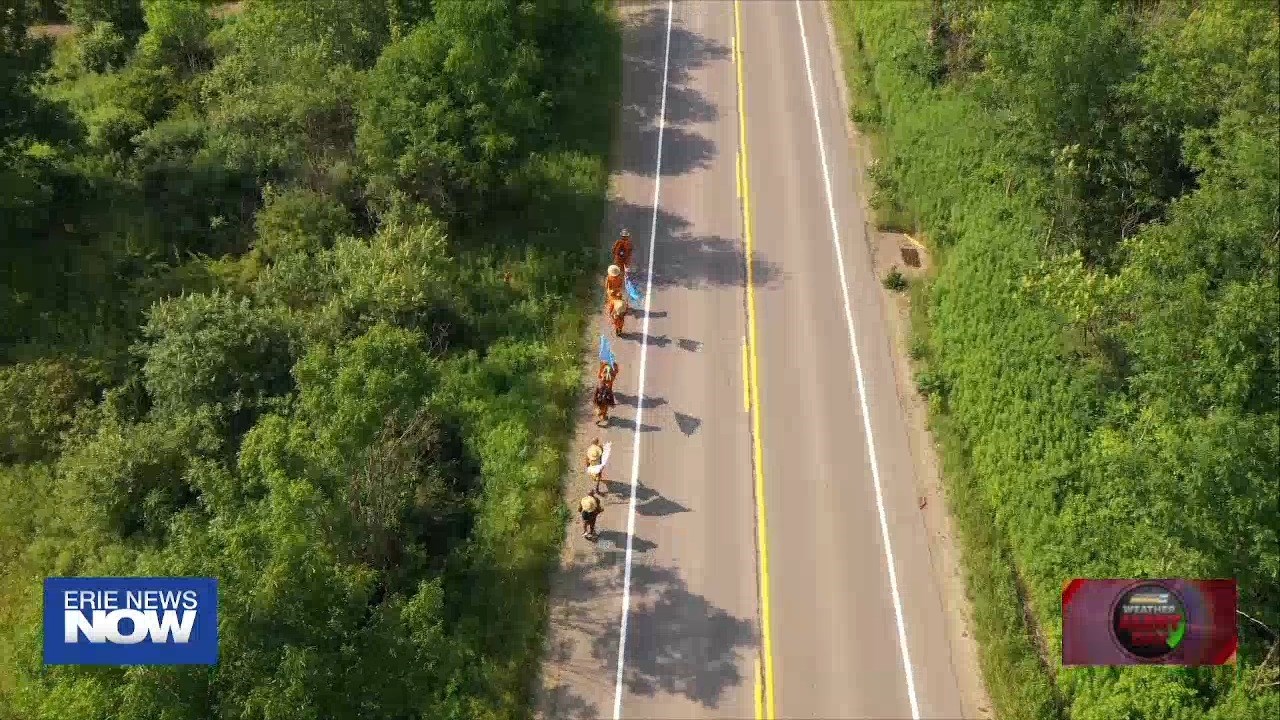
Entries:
{"x":292,"y":297}
{"x":1098,"y":184}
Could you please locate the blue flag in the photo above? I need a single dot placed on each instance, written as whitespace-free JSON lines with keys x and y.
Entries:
{"x":632,"y":291}
{"x":606,"y":352}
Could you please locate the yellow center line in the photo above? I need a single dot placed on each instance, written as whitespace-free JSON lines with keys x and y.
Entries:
{"x":765,"y":708}
{"x":737,"y":172}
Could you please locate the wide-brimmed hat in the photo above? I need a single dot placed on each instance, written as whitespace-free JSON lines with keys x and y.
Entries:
{"x":594,"y":452}
{"x":614,"y":271}
{"x":626,"y":233}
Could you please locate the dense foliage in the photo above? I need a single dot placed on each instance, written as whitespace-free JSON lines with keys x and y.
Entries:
{"x":1102,"y":338}
{"x":292,"y":297}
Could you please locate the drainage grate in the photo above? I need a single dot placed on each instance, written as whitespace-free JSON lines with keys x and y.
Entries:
{"x":911,"y":256}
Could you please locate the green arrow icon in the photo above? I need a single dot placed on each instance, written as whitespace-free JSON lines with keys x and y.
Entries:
{"x":1178,"y":633}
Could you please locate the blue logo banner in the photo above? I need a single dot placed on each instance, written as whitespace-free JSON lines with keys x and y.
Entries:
{"x":131,"y":621}
{"x":606,"y":352}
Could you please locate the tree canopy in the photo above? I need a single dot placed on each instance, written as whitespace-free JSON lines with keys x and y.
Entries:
{"x":249,"y":335}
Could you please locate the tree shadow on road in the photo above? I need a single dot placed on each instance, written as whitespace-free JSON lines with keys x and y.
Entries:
{"x":683,"y":150}
{"x":685,"y":259}
{"x":678,"y":642}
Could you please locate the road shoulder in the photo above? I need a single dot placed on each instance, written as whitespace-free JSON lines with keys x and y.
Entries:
{"x":945,"y":555}
{"x":587,"y":578}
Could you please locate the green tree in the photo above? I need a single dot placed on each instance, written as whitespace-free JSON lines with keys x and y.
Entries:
{"x":47,"y":12}
{"x":283,"y":115}
{"x":280,"y":99}
{"x":125,"y":16}
{"x":452,"y":108}
{"x":402,"y":276}
{"x":177,"y":35}
{"x":203,"y":350}
{"x":134,"y":476}
{"x":299,"y":220}
{"x":36,"y":402}
{"x":381,"y":512}
{"x":102,"y":48}
{"x":26,"y":118}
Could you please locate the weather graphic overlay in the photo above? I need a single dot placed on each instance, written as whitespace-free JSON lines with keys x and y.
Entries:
{"x":1143,"y":621}
{"x":1149,"y":621}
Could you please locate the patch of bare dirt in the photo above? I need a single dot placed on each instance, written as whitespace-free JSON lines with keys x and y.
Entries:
{"x":50,"y":31}
{"x":910,"y":256}
{"x":228,"y":9}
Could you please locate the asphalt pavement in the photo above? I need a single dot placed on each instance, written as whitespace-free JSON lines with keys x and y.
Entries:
{"x":675,"y":578}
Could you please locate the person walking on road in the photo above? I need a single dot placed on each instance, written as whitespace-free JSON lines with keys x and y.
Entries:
{"x":614,"y":285}
{"x":595,"y":453}
{"x":607,"y":373}
{"x":590,"y":508}
{"x":622,"y":251}
{"x":603,"y":399}
{"x":618,"y":310}
{"x":615,"y":298}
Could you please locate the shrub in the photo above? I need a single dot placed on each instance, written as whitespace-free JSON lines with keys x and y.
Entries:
{"x":36,"y":402}
{"x":894,"y":280}
{"x":299,"y":220}
{"x":102,"y":48}
{"x":202,"y":350}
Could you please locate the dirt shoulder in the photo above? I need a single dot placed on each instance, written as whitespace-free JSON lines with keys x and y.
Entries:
{"x":944,"y":550}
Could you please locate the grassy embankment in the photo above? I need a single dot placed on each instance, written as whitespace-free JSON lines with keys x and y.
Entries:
{"x":1091,"y":436}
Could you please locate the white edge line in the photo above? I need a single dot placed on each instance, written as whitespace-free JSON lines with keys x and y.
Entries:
{"x":857,"y":363}
{"x":644,"y":356}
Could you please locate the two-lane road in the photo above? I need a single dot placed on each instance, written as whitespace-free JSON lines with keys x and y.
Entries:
{"x":748,"y":399}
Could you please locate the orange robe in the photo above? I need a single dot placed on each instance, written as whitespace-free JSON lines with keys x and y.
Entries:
{"x":622,"y":252}
{"x":600,"y":374}
{"x":613,"y":286}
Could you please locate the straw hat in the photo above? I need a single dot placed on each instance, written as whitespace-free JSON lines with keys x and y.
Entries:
{"x":614,"y":271}
{"x":594,"y":453}
{"x":626,"y":233}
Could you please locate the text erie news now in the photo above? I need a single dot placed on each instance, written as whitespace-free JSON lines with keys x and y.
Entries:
{"x":130,"y":621}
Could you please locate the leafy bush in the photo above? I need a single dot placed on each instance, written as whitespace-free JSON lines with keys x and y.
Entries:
{"x":124,"y":15}
{"x":102,"y":48}
{"x":291,"y":221}
{"x":177,"y":36}
{"x":214,"y":350}
{"x":36,"y":402}
{"x":894,"y":280}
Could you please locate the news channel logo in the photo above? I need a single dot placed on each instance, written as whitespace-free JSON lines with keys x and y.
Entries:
{"x":130,"y":621}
